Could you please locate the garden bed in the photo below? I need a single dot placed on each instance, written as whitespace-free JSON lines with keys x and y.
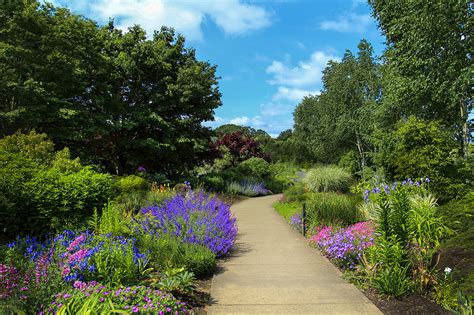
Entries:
{"x":413,"y":304}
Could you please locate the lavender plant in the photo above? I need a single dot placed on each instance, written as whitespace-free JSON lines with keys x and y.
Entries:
{"x":247,"y":188}
{"x":194,"y":217}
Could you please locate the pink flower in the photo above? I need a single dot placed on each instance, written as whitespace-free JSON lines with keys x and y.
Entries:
{"x":78,"y":240}
{"x":77,"y":256}
{"x":66,"y":271}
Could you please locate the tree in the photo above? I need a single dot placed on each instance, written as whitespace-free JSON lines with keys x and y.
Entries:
{"x":340,"y":119}
{"x":428,"y":62}
{"x":239,"y":146}
{"x":419,"y":149}
{"x":116,"y":99}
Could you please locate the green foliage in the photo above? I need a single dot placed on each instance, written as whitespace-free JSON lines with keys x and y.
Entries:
{"x":112,"y":220}
{"x":168,"y":253}
{"x":428,"y":65}
{"x":288,"y":209}
{"x":341,"y":118}
{"x":131,"y":183}
{"x":392,"y":281}
{"x":458,"y":215}
{"x":255,"y":166}
{"x":350,"y":162}
{"x":95,"y":299}
{"x":47,"y":190}
{"x":419,"y":148}
{"x":296,"y":192}
{"x":387,"y":266}
{"x":458,"y":249}
{"x":409,"y":234}
{"x":117,"y":99}
{"x":213,"y":181}
{"x":445,"y":292}
{"x":331,"y":208}
{"x":177,"y":280}
{"x":328,"y":178}
{"x":115,"y":264}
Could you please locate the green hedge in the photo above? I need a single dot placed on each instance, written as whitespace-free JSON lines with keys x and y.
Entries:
{"x":43,"y":190}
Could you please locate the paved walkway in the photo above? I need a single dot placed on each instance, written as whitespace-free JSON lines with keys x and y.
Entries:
{"x":273,"y":270}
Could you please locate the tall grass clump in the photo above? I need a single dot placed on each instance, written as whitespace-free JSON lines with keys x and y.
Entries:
{"x":328,"y":178}
{"x":332,"y":208}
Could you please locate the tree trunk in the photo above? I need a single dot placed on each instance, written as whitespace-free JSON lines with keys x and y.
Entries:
{"x":465,"y":128}
{"x":361,"y":152}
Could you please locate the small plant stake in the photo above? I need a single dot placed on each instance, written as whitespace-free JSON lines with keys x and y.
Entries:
{"x":303,"y":220}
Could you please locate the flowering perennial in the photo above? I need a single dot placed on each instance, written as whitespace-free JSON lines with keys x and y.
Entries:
{"x":134,"y":299}
{"x":389,"y":188}
{"x":344,"y":246}
{"x":194,"y":217}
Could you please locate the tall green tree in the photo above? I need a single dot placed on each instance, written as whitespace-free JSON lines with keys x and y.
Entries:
{"x":428,"y":62}
{"x":341,"y":118}
{"x":119,"y":99}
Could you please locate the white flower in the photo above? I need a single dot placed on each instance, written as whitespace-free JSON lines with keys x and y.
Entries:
{"x":447,"y":270}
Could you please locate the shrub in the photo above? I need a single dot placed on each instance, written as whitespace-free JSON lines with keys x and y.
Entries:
{"x":255,"y":166}
{"x":94,"y":298}
{"x":350,"y":162}
{"x":63,"y":200}
{"x":419,"y":148}
{"x":328,"y":178}
{"x":331,"y":208}
{"x":130,"y":184}
{"x":194,"y":217}
{"x":247,"y":188}
{"x":237,"y":147}
{"x":199,"y":259}
{"x":297,"y":192}
{"x":44,"y":190}
{"x":213,"y":181}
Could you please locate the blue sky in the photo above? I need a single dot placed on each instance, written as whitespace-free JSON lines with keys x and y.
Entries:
{"x":269,"y":53}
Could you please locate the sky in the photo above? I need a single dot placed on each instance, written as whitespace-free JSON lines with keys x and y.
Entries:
{"x":269,"y":54}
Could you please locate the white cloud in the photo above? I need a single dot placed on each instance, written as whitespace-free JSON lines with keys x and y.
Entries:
{"x":255,"y":121}
{"x":292,"y":94}
{"x":272,"y":109}
{"x":272,"y":126}
{"x":292,"y":82}
{"x":306,"y":73}
{"x":349,"y":23}
{"x":232,"y":16}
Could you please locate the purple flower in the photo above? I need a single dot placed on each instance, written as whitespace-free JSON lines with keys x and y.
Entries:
{"x":141,"y":168}
{"x":195,"y":218}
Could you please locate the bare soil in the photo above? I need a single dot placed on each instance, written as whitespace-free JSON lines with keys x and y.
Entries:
{"x":412,"y":304}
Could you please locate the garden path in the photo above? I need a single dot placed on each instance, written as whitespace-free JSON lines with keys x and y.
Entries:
{"x":271,"y":269}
